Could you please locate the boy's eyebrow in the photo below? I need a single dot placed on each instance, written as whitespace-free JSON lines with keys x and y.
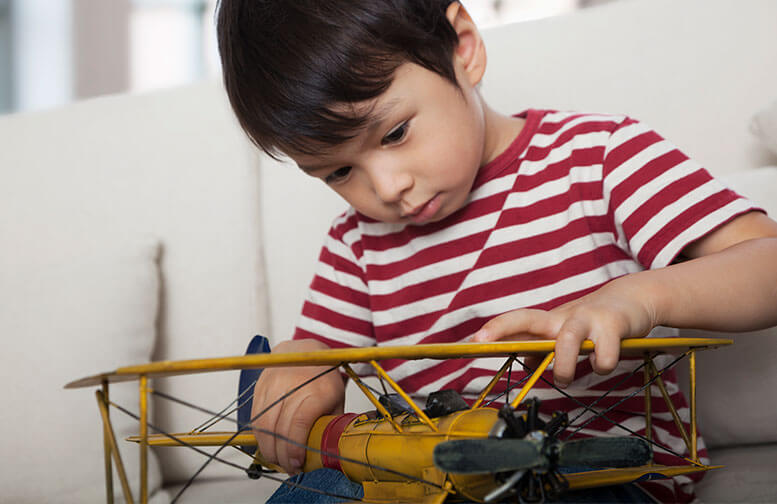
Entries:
{"x":373,"y":119}
{"x":378,"y":114}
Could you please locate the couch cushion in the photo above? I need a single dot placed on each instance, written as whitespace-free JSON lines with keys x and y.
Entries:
{"x":173,"y":164}
{"x":764,"y":126}
{"x":747,"y":477}
{"x":738,"y":385}
{"x":88,"y":307}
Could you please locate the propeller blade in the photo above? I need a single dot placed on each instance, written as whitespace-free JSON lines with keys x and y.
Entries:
{"x":490,"y":455}
{"x":477,"y":456}
{"x":605,"y":452}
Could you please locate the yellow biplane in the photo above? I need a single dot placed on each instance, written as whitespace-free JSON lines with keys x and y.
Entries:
{"x":449,"y":450}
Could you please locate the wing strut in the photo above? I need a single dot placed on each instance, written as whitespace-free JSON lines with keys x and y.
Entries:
{"x":112,"y":449}
{"x":534,"y":377}
{"x":418,"y":411}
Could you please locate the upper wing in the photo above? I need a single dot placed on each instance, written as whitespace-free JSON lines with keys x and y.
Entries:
{"x":338,"y":356}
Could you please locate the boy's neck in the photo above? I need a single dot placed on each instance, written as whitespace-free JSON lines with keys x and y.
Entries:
{"x":501,"y":131}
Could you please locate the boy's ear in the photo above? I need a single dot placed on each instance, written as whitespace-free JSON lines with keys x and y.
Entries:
{"x":470,"y":51}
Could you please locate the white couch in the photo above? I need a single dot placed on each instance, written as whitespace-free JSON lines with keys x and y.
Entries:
{"x":147,"y":227}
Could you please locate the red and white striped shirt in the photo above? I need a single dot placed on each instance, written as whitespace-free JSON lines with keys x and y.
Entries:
{"x":575,"y":201}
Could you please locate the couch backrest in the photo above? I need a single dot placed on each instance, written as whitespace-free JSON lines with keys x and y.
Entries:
{"x":170,"y":167}
{"x":695,"y":70}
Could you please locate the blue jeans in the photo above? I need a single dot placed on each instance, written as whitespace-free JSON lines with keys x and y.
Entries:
{"x":335,"y":482}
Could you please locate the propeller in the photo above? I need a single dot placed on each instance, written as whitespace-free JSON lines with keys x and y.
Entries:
{"x":494,"y":455}
{"x":604,"y":452}
{"x":525,"y":454}
{"x":476,"y":456}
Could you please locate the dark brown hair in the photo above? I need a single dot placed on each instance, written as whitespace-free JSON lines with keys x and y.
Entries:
{"x":288,"y":63}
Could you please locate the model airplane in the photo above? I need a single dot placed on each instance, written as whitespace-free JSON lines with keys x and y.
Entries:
{"x":450,"y":449}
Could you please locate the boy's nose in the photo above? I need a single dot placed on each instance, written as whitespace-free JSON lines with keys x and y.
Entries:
{"x":391,"y":184}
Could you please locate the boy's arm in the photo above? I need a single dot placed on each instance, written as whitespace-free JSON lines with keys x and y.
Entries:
{"x":729,"y":284}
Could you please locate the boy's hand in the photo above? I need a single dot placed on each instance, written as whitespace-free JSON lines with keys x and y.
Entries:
{"x":616,"y":311}
{"x":295,"y":415}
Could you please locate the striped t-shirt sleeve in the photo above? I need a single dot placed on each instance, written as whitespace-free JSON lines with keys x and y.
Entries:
{"x":337,"y":309}
{"x":660,"y":200}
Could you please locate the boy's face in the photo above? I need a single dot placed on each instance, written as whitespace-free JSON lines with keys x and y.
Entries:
{"x":417,"y":158}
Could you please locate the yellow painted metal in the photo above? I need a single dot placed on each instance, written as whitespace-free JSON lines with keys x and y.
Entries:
{"x":607,"y":477}
{"x":215,"y":438}
{"x":452,"y":433}
{"x":143,"y":392}
{"x":440,"y":498}
{"x":375,"y":442}
{"x":534,"y":377}
{"x":336,"y":356}
{"x":418,"y":411}
{"x":199,"y":439}
{"x":669,"y":404}
{"x":692,"y":399}
{"x":102,"y":403}
{"x":393,"y":492}
{"x":371,"y":397}
{"x":107,"y":448}
{"x":313,"y":459}
{"x":498,"y":376}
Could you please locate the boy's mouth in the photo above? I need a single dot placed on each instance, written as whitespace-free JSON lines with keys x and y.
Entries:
{"x":424,"y":213}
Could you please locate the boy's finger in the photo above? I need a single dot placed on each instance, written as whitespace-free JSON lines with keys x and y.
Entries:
{"x":294,"y":423}
{"x":568,"y":341}
{"x":267,"y":423}
{"x":518,"y":324}
{"x":606,"y":354}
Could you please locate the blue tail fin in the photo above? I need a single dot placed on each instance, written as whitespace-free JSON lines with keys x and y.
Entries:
{"x":245,"y":391}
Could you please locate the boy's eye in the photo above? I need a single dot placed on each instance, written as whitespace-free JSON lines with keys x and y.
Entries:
{"x":338,"y":175}
{"x":396,"y":135}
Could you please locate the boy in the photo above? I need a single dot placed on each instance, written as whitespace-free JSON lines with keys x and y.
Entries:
{"x":468,"y":223}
